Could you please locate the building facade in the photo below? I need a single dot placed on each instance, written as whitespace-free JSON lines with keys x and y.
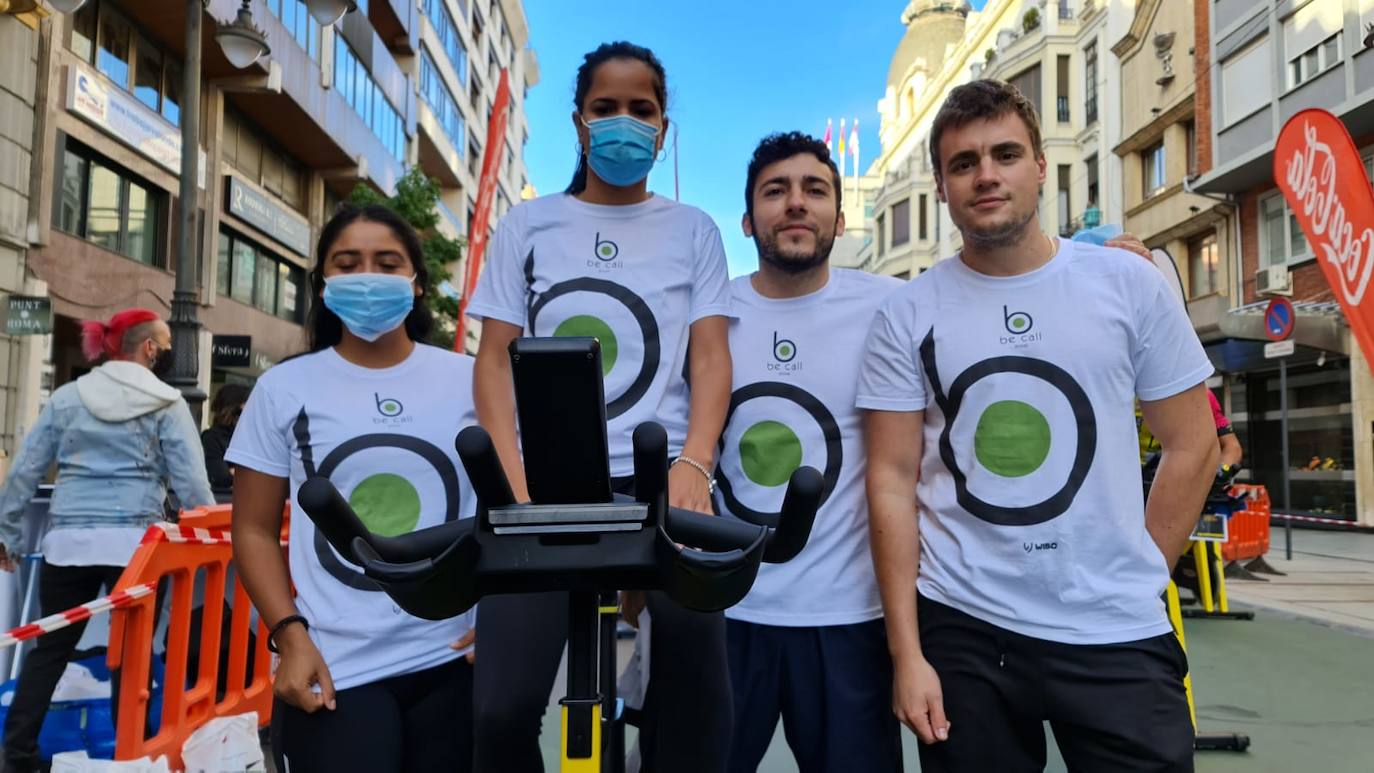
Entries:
{"x":394,"y":85}
{"x":1056,"y":52}
{"x":1266,"y":60}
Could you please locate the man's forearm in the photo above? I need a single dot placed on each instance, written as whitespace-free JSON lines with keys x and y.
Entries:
{"x":1176,"y":497}
{"x":895,"y":542}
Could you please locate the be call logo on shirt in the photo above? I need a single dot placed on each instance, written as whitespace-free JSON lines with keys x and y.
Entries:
{"x":390,"y":409}
{"x":1019,"y":324}
{"x":606,"y":253}
{"x":784,"y":354}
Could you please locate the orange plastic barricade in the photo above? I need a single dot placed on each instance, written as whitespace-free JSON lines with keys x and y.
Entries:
{"x":1248,"y":531}
{"x":197,"y":545}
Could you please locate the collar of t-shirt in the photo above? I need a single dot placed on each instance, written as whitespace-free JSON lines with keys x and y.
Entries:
{"x":748,"y":293}
{"x":1061,"y":258}
{"x":616,"y":211}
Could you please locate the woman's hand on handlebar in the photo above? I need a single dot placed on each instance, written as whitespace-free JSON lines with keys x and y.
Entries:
{"x":688,"y":489}
{"x":301,"y":669}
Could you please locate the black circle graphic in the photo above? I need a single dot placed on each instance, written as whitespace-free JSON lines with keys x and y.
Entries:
{"x":1056,"y":504}
{"x":830,"y":430}
{"x":648,"y":328}
{"x":453,"y":492}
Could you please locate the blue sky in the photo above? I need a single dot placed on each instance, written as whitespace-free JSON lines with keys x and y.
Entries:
{"x":737,"y":70}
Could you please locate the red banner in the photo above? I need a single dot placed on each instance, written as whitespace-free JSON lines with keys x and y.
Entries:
{"x":486,"y":194}
{"x":1320,"y":172}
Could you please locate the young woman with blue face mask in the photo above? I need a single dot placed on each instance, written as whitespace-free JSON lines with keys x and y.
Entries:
{"x":361,"y":685}
{"x":647,"y":277}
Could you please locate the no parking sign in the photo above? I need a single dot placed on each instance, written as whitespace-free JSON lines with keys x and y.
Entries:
{"x":1278,"y":319}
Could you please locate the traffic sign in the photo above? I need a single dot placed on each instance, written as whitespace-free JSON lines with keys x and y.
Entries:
{"x":1279,"y":318}
{"x":1278,"y":349}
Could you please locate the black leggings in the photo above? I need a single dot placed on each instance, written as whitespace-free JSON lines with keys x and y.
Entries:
{"x":688,"y":709}
{"x":412,"y":723}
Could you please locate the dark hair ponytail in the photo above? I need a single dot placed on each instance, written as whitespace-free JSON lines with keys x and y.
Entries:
{"x":323,"y":326}
{"x":604,"y":53}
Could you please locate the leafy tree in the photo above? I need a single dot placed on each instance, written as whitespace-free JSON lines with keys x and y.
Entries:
{"x":417,"y":200}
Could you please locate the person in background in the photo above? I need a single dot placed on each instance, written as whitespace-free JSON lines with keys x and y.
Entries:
{"x":225,"y":411}
{"x":119,"y":436}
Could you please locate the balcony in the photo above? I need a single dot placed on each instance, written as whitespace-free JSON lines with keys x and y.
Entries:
{"x":1065,"y":9}
{"x":1090,"y":109}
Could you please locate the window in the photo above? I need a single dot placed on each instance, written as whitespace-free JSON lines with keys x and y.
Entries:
{"x":1062,"y":175}
{"x":1090,"y":84}
{"x":1314,"y":61}
{"x":249,"y":274}
{"x":1028,"y":83}
{"x":107,"y":206}
{"x":1190,"y":143}
{"x":1061,"y":93}
{"x":366,"y":98}
{"x":1152,"y":169}
{"x":1202,"y":265}
{"x":260,"y":161}
{"x":922,"y":224}
{"x":447,"y":32}
{"x":901,"y":222}
{"x":882,"y":234}
{"x":1281,"y":238}
{"x":1246,"y":82}
{"x":475,"y":92}
{"x":1094,"y":190}
{"x":474,"y":155}
{"x":296,"y":18}
{"x":440,"y":100}
{"x":102,"y":38}
{"x":477,"y":26}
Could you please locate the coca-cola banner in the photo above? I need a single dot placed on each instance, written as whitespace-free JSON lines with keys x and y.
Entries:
{"x":1320,"y":172}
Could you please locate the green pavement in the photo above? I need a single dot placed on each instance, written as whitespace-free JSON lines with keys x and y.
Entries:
{"x":1302,"y":691}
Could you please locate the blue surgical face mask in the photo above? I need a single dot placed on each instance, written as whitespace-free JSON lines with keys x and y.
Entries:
{"x":370,"y":305}
{"x":621,"y":149}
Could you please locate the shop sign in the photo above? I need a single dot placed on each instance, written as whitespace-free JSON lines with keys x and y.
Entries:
{"x":231,"y":351}
{"x":119,"y":114}
{"x":1322,"y":176}
{"x":268,"y":216}
{"x":28,"y":315}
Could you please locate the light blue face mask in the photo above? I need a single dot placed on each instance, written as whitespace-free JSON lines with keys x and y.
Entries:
{"x":621,"y":149}
{"x":370,"y":305}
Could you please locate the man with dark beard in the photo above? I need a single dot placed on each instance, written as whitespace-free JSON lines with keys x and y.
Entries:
{"x":807,"y":643}
{"x":1020,"y":572}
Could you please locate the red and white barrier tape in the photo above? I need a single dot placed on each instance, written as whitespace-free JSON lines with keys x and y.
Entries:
{"x":52,"y":623}
{"x":1314,"y":519}
{"x":171,"y":532}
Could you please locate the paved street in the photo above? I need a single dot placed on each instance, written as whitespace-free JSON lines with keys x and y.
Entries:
{"x":1297,"y":679}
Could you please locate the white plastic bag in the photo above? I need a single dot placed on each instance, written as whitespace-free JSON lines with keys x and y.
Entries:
{"x":224,"y":745}
{"x":80,"y":762}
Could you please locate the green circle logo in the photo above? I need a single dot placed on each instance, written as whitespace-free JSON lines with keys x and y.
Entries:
{"x":585,"y":325}
{"x":387,"y":504}
{"x":1019,"y":323}
{"x":391,"y":408}
{"x":769,"y":453}
{"x":1012,"y":439}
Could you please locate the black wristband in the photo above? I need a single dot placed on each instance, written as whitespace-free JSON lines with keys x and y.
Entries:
{"x":282,"y":623}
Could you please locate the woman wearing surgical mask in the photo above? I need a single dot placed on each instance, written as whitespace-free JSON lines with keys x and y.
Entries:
{"x":361,"y":685}
{"x":647,"y":277}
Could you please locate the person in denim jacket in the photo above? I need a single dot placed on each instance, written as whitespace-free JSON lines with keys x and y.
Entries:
{"x":119,"y":435}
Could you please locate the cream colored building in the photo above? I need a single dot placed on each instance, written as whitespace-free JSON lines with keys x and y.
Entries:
{"x":1159,"y":151}
{"x":1057,"y":52}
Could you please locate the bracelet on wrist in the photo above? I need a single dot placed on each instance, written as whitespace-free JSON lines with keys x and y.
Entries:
{"x":282,"y":623}
{"x":701,"y":468}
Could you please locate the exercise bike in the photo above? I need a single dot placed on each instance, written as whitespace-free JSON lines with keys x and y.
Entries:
{"x":573,"y":536}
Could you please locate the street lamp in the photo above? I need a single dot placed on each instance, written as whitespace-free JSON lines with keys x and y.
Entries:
{"x":326,"y":12}
{"x":242,"y":42}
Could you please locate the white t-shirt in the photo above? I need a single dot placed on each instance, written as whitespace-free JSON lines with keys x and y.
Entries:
{"x":796,"y":364}
{"x":1032,"y":517}
{"x":384,"y":438}
{"x":635,"y":277}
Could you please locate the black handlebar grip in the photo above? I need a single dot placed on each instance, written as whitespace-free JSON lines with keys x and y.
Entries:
{"x":650,"y":443}
{"x":483,"y":466}
{"x":324,"y":505}
{"x":709,"y":532}
{"x":798,"y":514}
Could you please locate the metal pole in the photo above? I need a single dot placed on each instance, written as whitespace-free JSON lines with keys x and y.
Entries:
{"x":184,"y":323}
{"x":1283,"y":444}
